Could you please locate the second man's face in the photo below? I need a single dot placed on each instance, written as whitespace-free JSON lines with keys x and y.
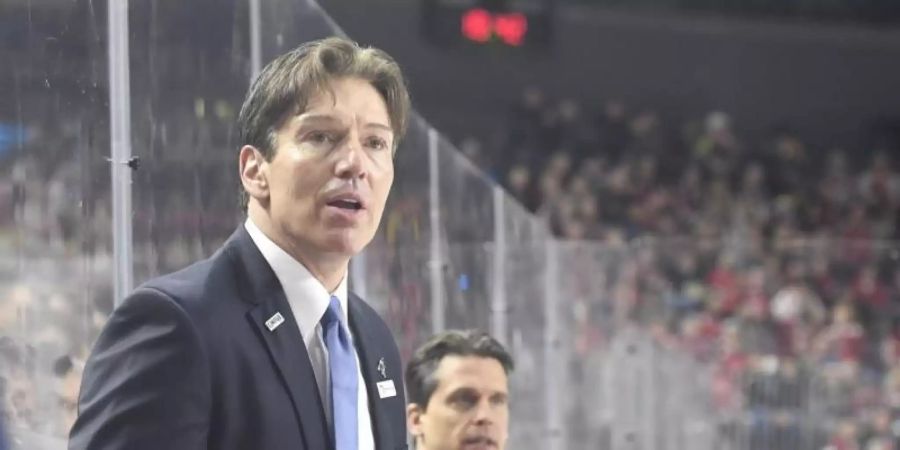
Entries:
{"x":469,"y":410}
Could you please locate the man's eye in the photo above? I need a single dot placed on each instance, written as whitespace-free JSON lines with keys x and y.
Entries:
{"x":464,"y":401}
{"x":318,"y":137}
{"x":377,"y":143}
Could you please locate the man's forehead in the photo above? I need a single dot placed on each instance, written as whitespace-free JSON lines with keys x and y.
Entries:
{"x":458,"y":370}
{"x":326,"y":95}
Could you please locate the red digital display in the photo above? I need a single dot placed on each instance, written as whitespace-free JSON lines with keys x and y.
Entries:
{"x":511,"y":27}
{"x":480,"y":25}
{"x":476,"y":25}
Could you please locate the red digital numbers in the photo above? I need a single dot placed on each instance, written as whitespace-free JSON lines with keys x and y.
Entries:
{"x":480,"y":25}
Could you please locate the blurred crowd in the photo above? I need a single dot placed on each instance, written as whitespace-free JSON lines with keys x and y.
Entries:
{"x":619,"y":175}
{"x":773,"y":263}
{"x":56,"y":241}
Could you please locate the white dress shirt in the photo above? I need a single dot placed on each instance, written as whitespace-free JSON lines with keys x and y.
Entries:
{"x":309,"y":300}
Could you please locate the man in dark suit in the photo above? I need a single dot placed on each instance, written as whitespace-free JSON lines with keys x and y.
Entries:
{"x":261,"y":346}
{"x":459,"y":392}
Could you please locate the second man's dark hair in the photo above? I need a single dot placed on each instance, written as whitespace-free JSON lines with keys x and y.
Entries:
{"x":420,"y":372}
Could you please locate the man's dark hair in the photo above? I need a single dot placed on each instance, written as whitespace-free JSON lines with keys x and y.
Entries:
{"x":285,"y":86}
{"x":420,"y":372}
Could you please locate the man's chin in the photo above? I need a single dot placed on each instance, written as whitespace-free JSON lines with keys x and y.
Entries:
{"x":344,"y":242}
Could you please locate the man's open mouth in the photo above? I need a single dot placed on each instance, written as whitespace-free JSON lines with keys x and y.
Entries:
{"x":352,"y":205}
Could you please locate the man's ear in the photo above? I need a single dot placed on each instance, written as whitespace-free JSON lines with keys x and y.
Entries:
{"x":414,"y":419}
{"x":253,"y":172}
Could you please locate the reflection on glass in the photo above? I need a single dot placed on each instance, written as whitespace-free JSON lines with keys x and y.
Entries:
{"x":55,"y":201}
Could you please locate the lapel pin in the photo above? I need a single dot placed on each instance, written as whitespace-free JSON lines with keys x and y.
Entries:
{"x":386,"y":389}
{"x":381,"y":368}
{"x":274,"y":321}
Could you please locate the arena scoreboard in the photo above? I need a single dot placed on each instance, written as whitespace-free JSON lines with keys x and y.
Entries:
{"x":507,"y":23}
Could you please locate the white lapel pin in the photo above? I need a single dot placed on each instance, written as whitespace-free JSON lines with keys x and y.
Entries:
{"x":381,"y":368}
{"x":386,"y":389}
{"x":274,"y":321}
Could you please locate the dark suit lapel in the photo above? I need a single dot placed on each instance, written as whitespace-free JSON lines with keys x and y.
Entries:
{"x":283,"y":340}
{"x":367,"y":345}
{"x":285,"y":346}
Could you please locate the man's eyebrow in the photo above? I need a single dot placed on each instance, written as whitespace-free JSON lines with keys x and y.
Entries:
{"x":317,"y":118}
{"x":463,"y":390}
{"x":379,"y":126}
{"x":331,"y":119}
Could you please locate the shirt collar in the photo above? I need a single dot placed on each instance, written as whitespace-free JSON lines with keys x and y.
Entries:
{"x":307,"y":295}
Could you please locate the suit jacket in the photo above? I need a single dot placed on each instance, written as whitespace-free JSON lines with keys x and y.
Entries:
{"x":187,"y":362}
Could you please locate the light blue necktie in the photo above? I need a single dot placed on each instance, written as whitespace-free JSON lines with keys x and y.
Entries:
{"x":342,"y":367}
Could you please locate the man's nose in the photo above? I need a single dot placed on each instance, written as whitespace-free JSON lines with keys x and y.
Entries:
{"x":483,"y":413}
{"x":349,"y":164}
